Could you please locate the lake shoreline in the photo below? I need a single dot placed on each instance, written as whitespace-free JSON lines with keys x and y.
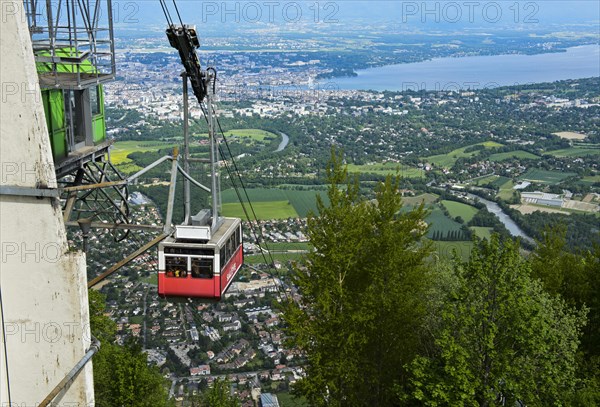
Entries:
{"x":475,"y":72}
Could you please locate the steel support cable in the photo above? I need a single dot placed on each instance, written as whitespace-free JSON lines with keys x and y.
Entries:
{"x":165,"y":9}
{"x":177,"y":11}
{"x":258,"y":238}
{"x":263,"y":240}
{"x":236,"y":189}
{"x":252,"y":228}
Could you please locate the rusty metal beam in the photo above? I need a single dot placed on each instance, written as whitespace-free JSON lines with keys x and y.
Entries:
{"x":72,"y":196}
{"x":88,"y":187}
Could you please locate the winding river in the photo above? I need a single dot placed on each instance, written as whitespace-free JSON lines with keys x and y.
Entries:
{"x":284,"y":142}
{"x":506,"y":220}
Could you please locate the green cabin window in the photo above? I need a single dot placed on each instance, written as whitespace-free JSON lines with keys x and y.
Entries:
{"x":95,"y":100}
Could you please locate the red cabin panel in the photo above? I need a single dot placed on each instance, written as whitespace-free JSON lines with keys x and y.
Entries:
{"x":231,"y":269}
{"x":204,"y":269}
{"x":188,"y":286}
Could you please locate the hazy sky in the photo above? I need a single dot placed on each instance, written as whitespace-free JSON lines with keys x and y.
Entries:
{"x":222,"y":16}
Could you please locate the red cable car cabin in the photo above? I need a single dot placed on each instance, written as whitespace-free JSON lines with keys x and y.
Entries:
{"x":202,"y":268}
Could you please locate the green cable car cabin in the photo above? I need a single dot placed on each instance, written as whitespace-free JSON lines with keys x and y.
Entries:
{"x":74,"y":51}
{"x":74,"y":109}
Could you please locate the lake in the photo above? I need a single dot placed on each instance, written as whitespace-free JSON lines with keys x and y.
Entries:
{"x":476,"y":72}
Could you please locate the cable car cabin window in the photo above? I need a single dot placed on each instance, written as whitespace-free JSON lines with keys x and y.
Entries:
{"x":95,"y":100}
{"x":189,"y":250}
{"x":175,"y":266}
{"x":202,"y":268}
{"x":230,"y":248}
{"x":223,"y":258}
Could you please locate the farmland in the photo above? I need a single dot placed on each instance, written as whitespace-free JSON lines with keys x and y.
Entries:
{"x":427,"y":199}
{"x":591,"y":179}
{"x":387,"y":169}
{"x":505,"y":189}
{"x":281,"y":257}
{"x":577,"y":151}
{"x":545,"y":177}
{"x":441,"y":225}
{"x":569,"y":135}
{"x":250,"y":135}
{"x":466,"y":212}
{"x":519,"y":154}
{"x":263,"y":210}
{"x":289,"y":246}
{"x":448,"y":160}
{"x":121,"y":149}
{"x":486,"y":179}
{"x":301,"y":202}
{"x":527,"y":209}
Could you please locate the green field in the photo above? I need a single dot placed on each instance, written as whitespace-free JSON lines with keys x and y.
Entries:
{"x":448,"y":160}
{"x":280,"y":257}
{"x":387,"y":169}
{"x":545,"y":177}
{"x":440,"y":223}
{"x":460,"y":209}
{"x":263,"y":210}
{"x":501,"y":181}
{"x":506,"y":190}
{"x":486,"y":179}
{"x":514,"y":154}
{"x":482,"y":232}
{"x":578,"y":151}
{"x":427,"y":198}
{"x":121,"y":149}
{"x":285,"y":246}
{"x":251,"y":134}
{"x":591,"y":179}
{"x":301,"y":201}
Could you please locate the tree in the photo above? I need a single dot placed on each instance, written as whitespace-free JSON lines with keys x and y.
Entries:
{"x":122,"y":376}
{"x":576,"y":278}
{"x":500,"y":337}
{"x":218,"y":395}
{"x":362,"y":294}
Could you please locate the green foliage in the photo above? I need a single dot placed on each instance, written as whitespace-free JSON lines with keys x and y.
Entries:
{"x":361,"y":303}
{"x":122,"y":376}
{"x":216,"y":396}
{"x":576,"y":278}
{"x":500,"y":338}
